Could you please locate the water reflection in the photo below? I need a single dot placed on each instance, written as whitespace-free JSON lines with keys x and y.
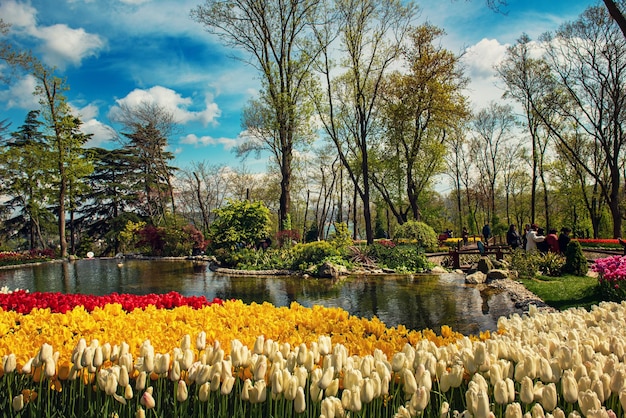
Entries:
{"x":423,"y":301}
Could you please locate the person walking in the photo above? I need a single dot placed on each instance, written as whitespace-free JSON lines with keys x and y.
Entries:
{"x":465,"y":236}
{"x":486,"y":233}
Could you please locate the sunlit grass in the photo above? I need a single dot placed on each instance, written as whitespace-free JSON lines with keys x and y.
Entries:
{"x":565,"y":291}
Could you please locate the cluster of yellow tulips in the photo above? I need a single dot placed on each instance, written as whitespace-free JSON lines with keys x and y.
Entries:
{"x":258,"y":360}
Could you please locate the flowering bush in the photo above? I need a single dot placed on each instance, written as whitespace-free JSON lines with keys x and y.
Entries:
{"x":8,"y":258}
{"x":612,"y":276}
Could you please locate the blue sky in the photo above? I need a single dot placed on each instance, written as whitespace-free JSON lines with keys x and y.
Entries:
{"x":126,"y":51}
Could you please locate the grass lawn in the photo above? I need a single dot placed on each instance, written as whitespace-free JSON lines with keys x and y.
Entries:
{"x":566,"y":291}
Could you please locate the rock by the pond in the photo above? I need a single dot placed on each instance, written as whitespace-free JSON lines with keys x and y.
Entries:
{"x":329,"y":270}
{"x":485,"y":265}
{"x":476,"y":278}
{"x":438,"y":270}
{"x":500,"y":264}
{"x":497,"y":274}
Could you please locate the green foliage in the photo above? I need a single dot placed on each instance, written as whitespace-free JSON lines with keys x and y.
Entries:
{"x":612,"y":291}
{"x":251,"y":259}
{"x":313,"y":253}
{"x":312,"y":233}
{"x":240,"y":224}
{"x":129,"y":237}
{"x":551,"y":264}
{"x":425,"y":236}
{"x":398,"y":257}
{"x":575,"y":260}
{"x":341,"y":238}
{"x":529,"y":264}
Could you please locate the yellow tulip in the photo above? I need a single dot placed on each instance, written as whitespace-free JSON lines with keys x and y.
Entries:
{"x":18,"y":403}
{"x":204,"y":392}
{"x":181,"y":392}
{"x":140,"y":413}
{"x":128,"y":392}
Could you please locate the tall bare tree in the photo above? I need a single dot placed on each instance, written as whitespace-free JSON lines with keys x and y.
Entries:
{"x":275,"y":36}
{"x":528,"y":81}
{"x":371,"y":35}
{"x":493,"y":128}
{"x":588,"y":60}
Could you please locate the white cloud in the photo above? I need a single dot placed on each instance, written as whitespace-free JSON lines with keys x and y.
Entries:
{"x":20,"y":94}
{"x":480,"y":61}
{"x":192,"y":139}
{"x":173,"y":102}
{"x":482,"y":57}
{"x":62,"y":44}
{"x":19,"y":15}
{"x":101,"y":133}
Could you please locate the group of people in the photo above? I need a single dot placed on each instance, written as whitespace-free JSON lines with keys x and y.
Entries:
{"x":535,"y":238}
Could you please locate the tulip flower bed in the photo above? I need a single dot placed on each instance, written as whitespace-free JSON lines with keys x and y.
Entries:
{"x":9,"y":258}
{"x":231,"y":359}
{"x":599,"y":242}
{"x":612,"y":276}
{"x":23,"y":301}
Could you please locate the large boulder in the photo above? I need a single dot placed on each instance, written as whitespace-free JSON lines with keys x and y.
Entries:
{"x":497,"y":274}
{"x":330,"y":270}
{"x":485,"y":265}
{"x":476,"y":278}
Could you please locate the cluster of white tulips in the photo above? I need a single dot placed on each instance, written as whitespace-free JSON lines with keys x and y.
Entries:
{"x":567,"y":364}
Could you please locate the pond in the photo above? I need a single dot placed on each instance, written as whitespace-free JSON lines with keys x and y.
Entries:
{"x":417,"y":302}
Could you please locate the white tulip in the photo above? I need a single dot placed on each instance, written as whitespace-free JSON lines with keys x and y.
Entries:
{"x":513,"y":410}
{"x":300,"y":401}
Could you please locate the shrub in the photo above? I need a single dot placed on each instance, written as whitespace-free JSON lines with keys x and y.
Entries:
{"x":312,"y":253}
{"x":425,"y":236}
{"x":240,"y":224}
{"x":341,"y":237}
{"x":400,"y":257}
{"x":575,"y":260}
{"x":529,"y":263}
